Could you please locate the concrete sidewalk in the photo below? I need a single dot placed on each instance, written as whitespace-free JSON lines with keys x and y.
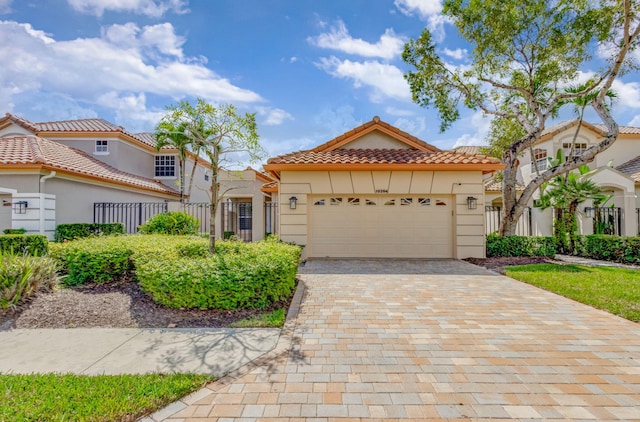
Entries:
{"x":93,"y":351}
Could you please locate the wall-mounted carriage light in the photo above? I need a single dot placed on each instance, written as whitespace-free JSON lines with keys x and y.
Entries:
{"x":590,"y":212}
{"x":229,"y":205}
{"x":472,"y":202}
{"x":292,"y":202}
{"x":20,"y":207}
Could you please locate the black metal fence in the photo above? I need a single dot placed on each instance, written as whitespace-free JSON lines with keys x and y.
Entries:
{"x":638,"y":220}
{"x":492,"y":215}
{"x":131,"y":214}
{"x":200,"y":211}
{"x":237,"y":220}
{"x":606,"y":220}
{"x":270,"y":218}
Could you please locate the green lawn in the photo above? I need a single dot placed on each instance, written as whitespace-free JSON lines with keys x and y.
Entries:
{"x":55,"y":397}
{"x":273,"y":319}
{"x":614,"y":290}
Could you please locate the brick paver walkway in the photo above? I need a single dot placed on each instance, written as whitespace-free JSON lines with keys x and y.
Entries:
{"x":432,"y":340}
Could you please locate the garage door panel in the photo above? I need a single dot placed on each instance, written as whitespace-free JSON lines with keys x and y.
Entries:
{"x":409,"y":226}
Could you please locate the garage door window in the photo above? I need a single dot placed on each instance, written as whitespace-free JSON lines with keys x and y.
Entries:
{"x":369,"y":202}
{"x":390,"y":202}
{"x":319,"y":202}
{"x":354,"y":201}
{"x":336,"y":201}
{"x":406,"y":201}
{"x":424,"y":201}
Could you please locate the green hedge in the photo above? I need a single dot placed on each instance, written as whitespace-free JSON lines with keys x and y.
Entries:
{"x":178,"y":271}
{"x":609,"y":248}
{"x":67,"y":232}
{"x":175,"y":223}
{"x":241,"y":275}
{"x":29,"y":244}
{"x":520,"y":246}
{"x":14,"y":231}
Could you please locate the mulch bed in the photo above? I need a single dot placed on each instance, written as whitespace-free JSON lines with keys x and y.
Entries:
{"x":497,"y":264}
{"x":114,"y":305}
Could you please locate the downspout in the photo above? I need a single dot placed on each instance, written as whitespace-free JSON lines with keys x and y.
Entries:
{"x":43,"y":179}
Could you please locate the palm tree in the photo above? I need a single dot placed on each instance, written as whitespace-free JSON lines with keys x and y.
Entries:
{"x":565,"y":194}
{"x":168,"y":134}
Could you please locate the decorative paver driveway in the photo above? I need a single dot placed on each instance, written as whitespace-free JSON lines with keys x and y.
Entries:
{"x":432,"y":340}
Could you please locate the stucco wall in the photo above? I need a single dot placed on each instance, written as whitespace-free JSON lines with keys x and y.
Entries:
{"x":376,"y":139}
{"x":5,"y":211}
{"x":468,"y":230}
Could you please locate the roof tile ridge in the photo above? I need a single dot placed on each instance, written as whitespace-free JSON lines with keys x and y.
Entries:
{"x":35,"y":146}
{"x":21,"y":121}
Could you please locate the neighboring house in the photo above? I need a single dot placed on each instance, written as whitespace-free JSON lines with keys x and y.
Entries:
{"x":377,"y":191}
{"x":90,"y":170}
{"x":616,"y":170}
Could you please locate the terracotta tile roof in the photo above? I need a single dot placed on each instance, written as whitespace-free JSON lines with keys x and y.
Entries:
{"x":270,"y":187}
{"x":631,"y":168}
{"x":32,"y":150}
{"x":375,"y":122}
{"x":492,"y":185}
{"x":624,"y":130}
{"x":599,"y":128}
{"x":79,"y":125}
{"x":149,"y":138}
{"x":381,"y":156}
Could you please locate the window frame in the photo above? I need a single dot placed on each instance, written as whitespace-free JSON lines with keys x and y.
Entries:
{"x":101,"y":147}
{"x":164,"y":166}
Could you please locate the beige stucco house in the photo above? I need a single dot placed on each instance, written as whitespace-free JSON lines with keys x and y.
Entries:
{"x":615,"y":170}
{"x":377,"y":191}
{"x":90,"y":170}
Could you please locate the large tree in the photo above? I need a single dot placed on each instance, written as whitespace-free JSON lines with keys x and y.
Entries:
{"x":525,"y":53}
{"x":221,"y":135}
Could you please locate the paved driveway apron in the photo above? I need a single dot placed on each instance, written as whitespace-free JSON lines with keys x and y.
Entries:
{"x":432,"y":340}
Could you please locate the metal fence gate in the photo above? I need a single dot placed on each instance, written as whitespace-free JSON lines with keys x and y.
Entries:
{"x":131,"y":214}
{"x":270,"y":218}
{"x":492,"y":216}
{"x":237,"y":220}
{"x":200,"y":211}
{"x":606,"y":220}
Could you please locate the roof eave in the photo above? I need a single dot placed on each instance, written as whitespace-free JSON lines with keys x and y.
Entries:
{"x":484,"y":167}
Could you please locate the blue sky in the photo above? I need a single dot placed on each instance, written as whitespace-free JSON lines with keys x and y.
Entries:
{"x":310,"y":69}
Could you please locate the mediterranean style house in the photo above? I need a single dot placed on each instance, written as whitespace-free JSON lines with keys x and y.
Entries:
{"x":377,"y":191}
{"x":90,"y":170}
{"x":616,"y":171}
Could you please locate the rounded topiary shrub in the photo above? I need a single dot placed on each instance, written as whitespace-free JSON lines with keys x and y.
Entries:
{"x":178,"y":223}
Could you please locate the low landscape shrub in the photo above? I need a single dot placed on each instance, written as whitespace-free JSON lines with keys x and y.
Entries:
{"x":240,"y":275}
{"x":610,"y":248}
{"x":520,"y":246}
{"x":14,"y":231}
{"x":175,"y":223}
{"x":67,"y":232}
{"x":24,"y":244}
{"x":22,"y":275}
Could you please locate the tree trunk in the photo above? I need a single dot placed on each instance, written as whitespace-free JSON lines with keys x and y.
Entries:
{"x":193,"y":172}
{"x":215,"y":191}
{"x":510,"y":213}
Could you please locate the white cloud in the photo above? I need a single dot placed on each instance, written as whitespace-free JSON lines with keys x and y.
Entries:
{"x":150,"y":8}
{"x":399,"y":112}
{"x":5,"y":6}
{"x":635,"y":121}
{"x":131,"y":111}
{"x":126,"y":60}
{"x":293,"y":59}
{"x":274,"y":116}
{"x":480,"y":125}
{"x":416,"y":126}
{"x":458,"y":53}
{"x":385,"y":79}
{"x":627,"y":94}
{"x":428,"y":11}
{"x":338,"y":38}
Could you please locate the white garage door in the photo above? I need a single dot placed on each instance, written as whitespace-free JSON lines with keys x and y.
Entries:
{"x":381,"y":226}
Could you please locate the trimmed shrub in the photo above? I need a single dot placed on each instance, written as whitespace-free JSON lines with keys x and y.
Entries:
{"x":14,"y":231}
{"x":520,"y":246}
{"x":22,"y":276}
{"x":90,"y":260}
{"x":610,"y":248}
{"x":174,"y":223}
{"x":245,"y":275}
{"x":68,"y":232}
{"x":24,"y":244}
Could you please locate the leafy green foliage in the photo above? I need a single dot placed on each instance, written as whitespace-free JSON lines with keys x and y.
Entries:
{"x":29,"y":244}
{"x":609,"y":248}
{"x":67,"y":232}
{"x":174,"y":223}
{"x":615,"y":290}
{"x":246,"y":275}
{"x":102,"y":398}
{"x":94,"y":260}
{"x":22,"y":275}
{"x":520,"y":246}
{"x":14,"y":231}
